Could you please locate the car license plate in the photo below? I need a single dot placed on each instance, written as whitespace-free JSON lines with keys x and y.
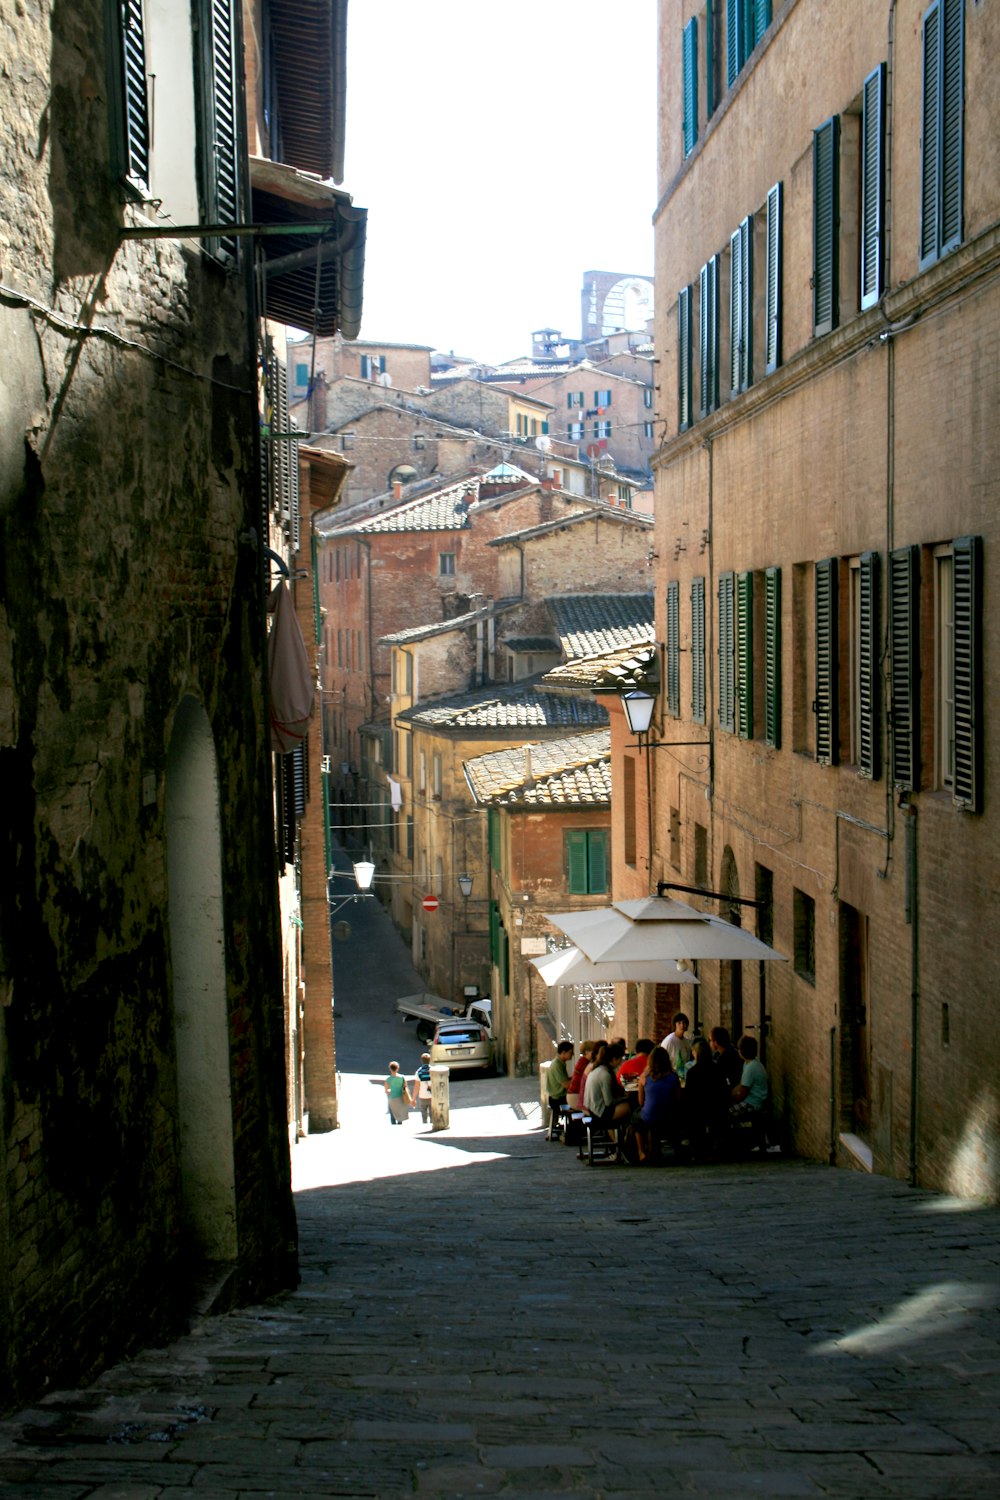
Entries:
{"x":459,"y":1051}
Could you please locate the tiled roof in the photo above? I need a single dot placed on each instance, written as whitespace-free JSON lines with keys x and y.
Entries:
{"x":593,"y":623}
{"x":530,"y":643}
{"x":496,"y":707}
{"x":572,"y":771}
{"x":601,"y":509}
{"x":442,"y":627}
{"x":443,"y":510}
{"x":606,"y":669}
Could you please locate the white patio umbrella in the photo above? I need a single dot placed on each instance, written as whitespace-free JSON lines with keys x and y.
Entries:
{"x":655,"y":927}
{"x":570,"y":966}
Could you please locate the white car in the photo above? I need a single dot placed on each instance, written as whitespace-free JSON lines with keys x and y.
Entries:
{"x":464,"y":1045}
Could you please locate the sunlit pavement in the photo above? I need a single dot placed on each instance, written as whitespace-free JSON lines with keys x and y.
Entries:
{"x":481,"y":1313}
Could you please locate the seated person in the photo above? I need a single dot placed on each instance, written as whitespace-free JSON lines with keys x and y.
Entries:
{"x":678,"y":1045}
{"x":658,"y":1114}
{"x":633,"y":1067}
{"x":574,"y":1093}
{"x":557,"y":1081}
{"x":603,"y":1096}
{"x":750,"y":1094}
{"x":706,"y":1097}
{"x":725,"y":1056}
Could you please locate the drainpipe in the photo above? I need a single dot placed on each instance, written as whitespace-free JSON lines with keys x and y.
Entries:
{"x":911,"y":915}
{"x":833,"y":1096}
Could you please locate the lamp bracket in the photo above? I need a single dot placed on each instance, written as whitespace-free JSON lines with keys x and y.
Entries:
{"x":696,"y":890}
{"x":664,"y":744}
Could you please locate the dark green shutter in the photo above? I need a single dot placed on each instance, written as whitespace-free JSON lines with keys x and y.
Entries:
{"x":869,"y":682}
{"x":761,"y":18}
{"x":709,"y":335}
{"x":744,"y":655}
{"x":690,"y":66}
{"x":494,"y":933}
{"x":826,"y":225}
{"x":734,"y":40}
{"x":772,"y":319}
{"x":741,"y":307}
{"x":904,"y":647}
{"x":942,"y":147}
{"x":931,"y":144}
{"x":673,"y":648}
{"x":493,"y":836}
{"x":576,"y":860}
{"x":698,"y":650}
{"x":220,"y":128}
{"x":826,"y":703}
{"x":727,"y":647}
{"x":597,"y":862}
{"x":684,"y":404}
{"x":967,"y":637}
{"x":130,"y":100}
{"x":873,"y":187}
{"x":772,"y":657}
{"x":710,"y":100}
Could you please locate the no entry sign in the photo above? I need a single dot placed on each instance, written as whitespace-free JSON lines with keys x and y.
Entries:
{"x":431,"y":903}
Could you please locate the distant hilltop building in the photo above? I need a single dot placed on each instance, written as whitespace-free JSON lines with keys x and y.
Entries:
{"x":614,"y":302}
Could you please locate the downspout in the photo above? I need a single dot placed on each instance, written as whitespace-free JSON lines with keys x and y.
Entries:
{"x":912,"y":916}
{"x":363,"y":542}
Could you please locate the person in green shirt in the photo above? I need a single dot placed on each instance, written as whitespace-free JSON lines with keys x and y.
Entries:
{"x":557,"y":1082}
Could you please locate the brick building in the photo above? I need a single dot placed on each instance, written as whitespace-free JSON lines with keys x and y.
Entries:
{"x":379,"y":365}
{"x":602,"y":411}
{"x":828,"y":327}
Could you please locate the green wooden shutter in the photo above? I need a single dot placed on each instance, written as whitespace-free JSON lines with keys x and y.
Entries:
{"x":904,"y":646}
{"x":761,"y":18}
{"x":772,"y":318}
{"x":494,"y":932}
{"x":129,"y":99}
{"x":931,"y":141}
{"x":727,"y":647}
{"x":709,"y":335}
{"x":826,"y":703}
{"x":967,"y":577}
{"x":493,"y":837}
{"x":772,"y":657}
{"x":734,"y":40}
{"x":576,"y":861}
{"x":826,"y":225}
{"x":869,"y":683}
{"x":710,"y":99}
{"x":744,"y":655}
{"x":220,"y":126}
{"x":597,"y":862}
{"x":690,"y":90}
{"x":684,"y":403}
{"x":952,"y":75}
{"x":873,"y":187}
{"x":698,"y":650}
{"x":741,"y":307}
{"x":673,"y":648}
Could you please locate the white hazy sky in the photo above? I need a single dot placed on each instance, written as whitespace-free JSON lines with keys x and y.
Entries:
{"x":501,"y":148}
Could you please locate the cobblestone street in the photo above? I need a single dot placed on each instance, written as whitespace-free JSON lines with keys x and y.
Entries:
{"x":480,"y":1313}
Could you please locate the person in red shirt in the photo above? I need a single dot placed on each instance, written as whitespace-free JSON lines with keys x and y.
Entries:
{"x":633,"y":1067}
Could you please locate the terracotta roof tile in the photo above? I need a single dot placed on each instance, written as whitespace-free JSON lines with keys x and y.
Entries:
{"x":592,"y":623}
{"x":567,"y":772}
{"x":496,"y":707}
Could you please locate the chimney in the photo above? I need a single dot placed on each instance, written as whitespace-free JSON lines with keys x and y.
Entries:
{"x":318,"y":412}
{"x":397,"y":489}
{"x":529,"y":779}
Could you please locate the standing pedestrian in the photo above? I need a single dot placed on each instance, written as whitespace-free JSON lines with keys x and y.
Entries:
{"x":422,"y":1087}
{"x":399,"y":1095}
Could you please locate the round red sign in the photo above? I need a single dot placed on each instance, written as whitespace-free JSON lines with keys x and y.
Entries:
{"x":431,"y":903}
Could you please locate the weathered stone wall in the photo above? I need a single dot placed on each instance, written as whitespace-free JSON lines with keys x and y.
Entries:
{"x":129,"y":584}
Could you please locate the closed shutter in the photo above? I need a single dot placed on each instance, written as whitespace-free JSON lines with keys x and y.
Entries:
{"x":942,"y":146}
{"x":698,"y":650}
{"x":690,"y":90}
{"x":931,"y":144}
{"x":873,"y":187}
{"x":967,"y":576}
{"x":576,"y":861}
{"x":727,"y":646}
{"x":826,"y":225}
{"x":288,"y":805}
{"x":709,"y":335}
{"x":597,"y":862}
{"x":673,"y":648}
{"x":772,"y":657}
{"x":761,"y":18}
{"x":300,"y":777}
{"x":772,"y":332}
{"x":220,"y":127}
{"x":684,"y":402}
{"x":869,"y":652}
{"x":826,"y":703}
{"x":741,"y":306}
{"x":744,"y":655}
{"x":494,"y":933}
{"x":132,"y":143}
{"x":735,"y":45}
{"x":904,"y":647}
{"x":710,"y":90}
{"x":493,"y":834}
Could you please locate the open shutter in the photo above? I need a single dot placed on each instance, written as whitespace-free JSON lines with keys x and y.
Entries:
{"x":869,"y":651}
{"x":288,"y":804}
{"x":597,"y":862}
{"x":220,"y":123}
{"x":710,"y":99}
{"x":967,"y":575}
{"x":826,"y":703}
{"x":727,"y":645}
{"x":772,"y":334}
{"x":931,"y":145}
{"x":709,"y":335}
{"x":744,"y":655}
{"x":132,"y":113}
{"x":952,"y":73}
{"x":826,"y":225}
{"x":690,"y":65}
{"x":741,"y":307}
{"x":576,"y":858}
{"x":673,"y":648}
{"x":734,"y":40}
{"x":904,"y":627}
{"x":772,"y":657}
{"x":698,"y":650}
{"x":684,"y":404}
{"x":761,"y":18}
{"x":873,"y":187}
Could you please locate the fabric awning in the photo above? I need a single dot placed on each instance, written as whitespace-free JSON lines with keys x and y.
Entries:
{"x":283,"y":196}
{"x":655,"y":927}
{"x":570,"y":966}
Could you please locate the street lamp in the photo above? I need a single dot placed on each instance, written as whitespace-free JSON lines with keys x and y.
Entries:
{"x":638,"y":704}
{"x":465,"y":885}
{"x":364,"y":874}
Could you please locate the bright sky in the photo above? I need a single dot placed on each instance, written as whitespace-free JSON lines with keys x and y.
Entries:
{"x":502,"y":148}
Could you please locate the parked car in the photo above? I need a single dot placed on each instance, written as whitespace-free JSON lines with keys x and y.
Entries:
{"x":464,"y":1045}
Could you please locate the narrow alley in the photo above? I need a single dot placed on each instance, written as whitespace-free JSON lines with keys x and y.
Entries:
{"x":481,"y":1313}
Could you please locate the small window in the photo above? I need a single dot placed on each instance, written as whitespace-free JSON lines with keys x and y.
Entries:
{"x":647,"y":398}
{"x":301,"y":374}
{"x":647,"y":430}
{"x":602,"y":429}
{"x":942,"y":166}
{"x":346,"y":441}
{"x":698,"y":650}
{"x":602,"y":399}
{"x":700,"y":854}
{"x":826,"y":226}
{"x":436,"y":774}
{"x":685,"y":404}
{"x":673,"y":653}
{"x":419,"y":442}
{"x":708,"y":341}
{"x":804,"y":918}
{"x":628,"y":810}
{"x":574,"y":431}
{"x":446,"y":564}
{"x":586,"y":861}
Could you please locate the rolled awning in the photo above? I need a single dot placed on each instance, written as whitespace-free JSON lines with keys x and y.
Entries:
{"x":324,"y":229}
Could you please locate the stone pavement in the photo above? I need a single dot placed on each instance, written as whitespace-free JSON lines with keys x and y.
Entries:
{"x":482,"y":1314}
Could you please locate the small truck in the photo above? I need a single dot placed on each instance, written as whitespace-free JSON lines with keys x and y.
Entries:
{"x":428,"y":1009}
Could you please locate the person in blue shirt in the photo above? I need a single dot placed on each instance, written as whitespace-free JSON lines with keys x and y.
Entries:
{"x":750,"y":1094}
